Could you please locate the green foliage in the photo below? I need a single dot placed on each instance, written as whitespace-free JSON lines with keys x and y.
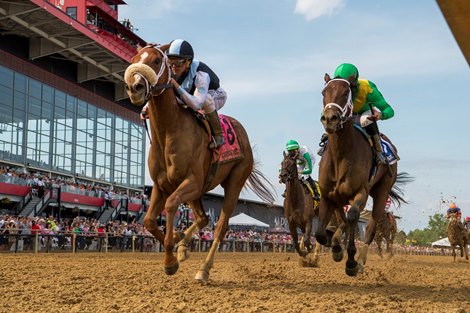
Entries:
{"x":435,"y":230}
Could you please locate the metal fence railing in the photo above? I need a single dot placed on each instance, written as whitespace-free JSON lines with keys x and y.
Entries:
{"x":109,"y":242}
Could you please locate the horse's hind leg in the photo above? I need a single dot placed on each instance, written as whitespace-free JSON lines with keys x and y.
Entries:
{"x":200,"y":223}
{"x":230,"y":201}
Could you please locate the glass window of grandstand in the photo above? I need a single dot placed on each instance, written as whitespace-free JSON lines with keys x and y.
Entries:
{"x":121,"y":159}
{"x":45,"y":128}
{"x":72,"y":12}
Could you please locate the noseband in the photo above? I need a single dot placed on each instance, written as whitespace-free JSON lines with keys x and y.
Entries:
{"x":345,"y":112}
{"x":154,"y":89}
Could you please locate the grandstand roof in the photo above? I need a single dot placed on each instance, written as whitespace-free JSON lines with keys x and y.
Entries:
{"x":51,"y":31}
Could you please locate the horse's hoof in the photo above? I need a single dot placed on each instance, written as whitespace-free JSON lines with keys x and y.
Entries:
{"x":202,"y":276}
{"x":360,"y":268}
{"x":183,"y":253}
{"x":171,"y":269}
{"x":337,"y":254}
{"x":351,"y":268}
{"x":321,"y":238}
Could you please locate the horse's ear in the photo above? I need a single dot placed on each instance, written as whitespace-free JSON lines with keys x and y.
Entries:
{"x":327,"y":78}
{"x":352,"y":80}
{"x":284,"y":154}
{"x":164,"y":47}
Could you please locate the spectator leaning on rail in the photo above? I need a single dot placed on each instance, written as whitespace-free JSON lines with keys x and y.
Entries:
{"x":365,"y":92}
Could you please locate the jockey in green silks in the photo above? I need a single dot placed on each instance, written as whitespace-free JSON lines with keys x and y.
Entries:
{"x":365,"y":92}
{"x":305,"y":162}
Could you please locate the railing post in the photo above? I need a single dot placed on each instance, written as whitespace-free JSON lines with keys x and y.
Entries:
{"x":74,"y":237}
{"x":36,"y":240}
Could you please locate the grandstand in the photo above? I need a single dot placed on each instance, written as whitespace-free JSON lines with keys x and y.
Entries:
{"x":66,"y":125}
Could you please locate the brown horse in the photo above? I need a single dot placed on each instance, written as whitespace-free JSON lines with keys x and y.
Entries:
{"x":386,"y":231}
{"x":345,"y":175}
{"x":299,"y":209}
{"x":457,"y":235}
{"x":179,"y":161}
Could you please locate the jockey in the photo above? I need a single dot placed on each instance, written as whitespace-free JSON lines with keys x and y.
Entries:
{"x":365,"y":92}
{"x":467,"y":222}
{"x":453,"y":208}
{"x":197,"y":86}
{"x":305,"y":163}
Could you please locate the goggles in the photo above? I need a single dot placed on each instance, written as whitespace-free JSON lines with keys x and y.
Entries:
{"x":176,"y":62}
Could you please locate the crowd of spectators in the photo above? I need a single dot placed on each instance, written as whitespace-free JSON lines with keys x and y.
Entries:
{"x":41,"y":182}
{"x":49,"y":234}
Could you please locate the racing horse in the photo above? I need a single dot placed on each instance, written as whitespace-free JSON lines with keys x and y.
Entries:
{"x":179,"y":161}
{"x":458,"y":235}
{"x":299,"y":209}
{"x":348,"y":175}
{"x":386,"y":231}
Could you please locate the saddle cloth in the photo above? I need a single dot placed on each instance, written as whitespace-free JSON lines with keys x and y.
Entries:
{"x":230,"y":150}
{"x":389,"y":152}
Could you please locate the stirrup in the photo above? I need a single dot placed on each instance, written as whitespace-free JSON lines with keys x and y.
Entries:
{"x":321,"y":151}
{"x":216,"y":142}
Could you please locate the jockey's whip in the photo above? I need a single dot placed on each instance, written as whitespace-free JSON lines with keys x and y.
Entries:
{"x":378,"y":132}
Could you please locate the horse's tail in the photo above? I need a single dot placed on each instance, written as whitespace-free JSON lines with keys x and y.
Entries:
{"x":260,"y":185}
{"x":396,"y":194}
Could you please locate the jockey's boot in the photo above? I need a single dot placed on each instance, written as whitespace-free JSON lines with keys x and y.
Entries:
{"x":214,"y":123}
{"x":378,"y":149}
{"x":316,"y":194}
{"x":322,"y":144}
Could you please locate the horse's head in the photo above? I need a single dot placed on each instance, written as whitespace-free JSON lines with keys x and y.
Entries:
{"x":148,"y":75}
{"x":337,"y":102}
{"x":288,"y":167}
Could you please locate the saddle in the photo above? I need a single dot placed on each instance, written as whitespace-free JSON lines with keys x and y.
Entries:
{"x":309,"y":189}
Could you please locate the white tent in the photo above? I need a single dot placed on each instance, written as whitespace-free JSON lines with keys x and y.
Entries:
{"x":444,"y":242}
{"x":245,"y":220}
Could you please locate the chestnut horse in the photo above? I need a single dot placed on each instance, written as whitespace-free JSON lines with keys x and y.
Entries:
{"x":179,"y":161}
{"x":345,"y":175}
{"x":386,"y":231}
{"x":457,"y":235}
{"x":299,"y":209}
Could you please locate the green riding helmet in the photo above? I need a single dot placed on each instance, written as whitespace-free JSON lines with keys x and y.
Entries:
{"x":292,"y":145}
{"x":345,"y":70}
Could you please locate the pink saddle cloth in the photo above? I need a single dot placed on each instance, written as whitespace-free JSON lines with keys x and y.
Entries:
{"x":230,"y":150}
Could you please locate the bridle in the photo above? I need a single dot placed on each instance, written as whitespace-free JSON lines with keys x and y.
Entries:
{"x":291,"y":174}
{"x":157,"y":89}
{"x":346,"y":111}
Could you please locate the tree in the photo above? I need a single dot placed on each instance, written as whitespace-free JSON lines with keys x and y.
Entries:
{"x":436,"y":230}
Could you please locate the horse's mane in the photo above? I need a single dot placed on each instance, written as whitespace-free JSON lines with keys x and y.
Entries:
{"x":396,"y":194}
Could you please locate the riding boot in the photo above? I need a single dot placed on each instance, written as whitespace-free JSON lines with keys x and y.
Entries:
{"x":378,"y":149}
{"x":214,"y":123}
{"x":322,"y":144}
{"x":316,"y":194}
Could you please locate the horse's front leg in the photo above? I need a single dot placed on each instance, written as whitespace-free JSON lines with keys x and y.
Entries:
{"x":157,"y":201}
{"x":295,"y":239}
{"x":308,"y":235}
{"x":324,"y":215}
{"x":185,"y":192}
{"x":352,"y":220}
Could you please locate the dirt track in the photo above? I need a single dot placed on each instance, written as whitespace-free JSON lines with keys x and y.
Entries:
{"x":239,"y":282}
